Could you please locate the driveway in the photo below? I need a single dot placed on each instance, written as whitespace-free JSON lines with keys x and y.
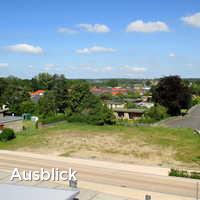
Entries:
{"x":191,"y":120}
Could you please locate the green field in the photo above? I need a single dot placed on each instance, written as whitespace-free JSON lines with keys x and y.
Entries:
{"x":150,"y":145}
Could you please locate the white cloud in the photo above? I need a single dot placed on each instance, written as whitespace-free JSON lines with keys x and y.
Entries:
{"x":172,"y":55}
{"x":192,"y":20}
{"x":67,"y":30}
{"x":50,"y":66}
{"x":95,"y":49}
{"x":189,"y":65}
{"x":24,"y":48}
{"x":97,"y":28}
{"x":3,"y":65}
{"x":129,"y":69}
{"x":147,"y":27}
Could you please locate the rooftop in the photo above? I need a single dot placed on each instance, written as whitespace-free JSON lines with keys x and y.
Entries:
{"x":132,"y":110}
{"x":32,"y":193}
{"x":38,"y":92}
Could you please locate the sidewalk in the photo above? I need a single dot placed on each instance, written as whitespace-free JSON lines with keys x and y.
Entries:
{"x":85,"y":194}
{"x":98,"y":192}
{"x":154,"y":170}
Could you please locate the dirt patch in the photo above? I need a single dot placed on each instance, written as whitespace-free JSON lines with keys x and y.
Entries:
{"x":104,"y":146}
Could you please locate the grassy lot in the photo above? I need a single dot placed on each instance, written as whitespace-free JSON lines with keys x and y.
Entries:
{"x":142,"y":145}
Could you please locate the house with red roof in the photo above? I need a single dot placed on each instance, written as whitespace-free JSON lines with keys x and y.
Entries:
{"x":35,"y":96}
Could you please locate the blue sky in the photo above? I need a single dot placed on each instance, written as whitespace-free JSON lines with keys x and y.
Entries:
{"x":100,"y":39}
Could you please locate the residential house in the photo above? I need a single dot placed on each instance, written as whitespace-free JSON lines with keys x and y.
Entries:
{"x":35,"y":96}
{"x":128,"y":113}
{"x":112,"y":104}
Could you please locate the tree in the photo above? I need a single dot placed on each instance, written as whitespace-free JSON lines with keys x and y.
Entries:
{"x":196,"y":100}
{"x":28,"y":107}
{"x":112,"y":83}
{"x":47,"y":105}
{"x":60,"y":90}
{"x":3,"y":85}
{"x":86,"y":107}
{"x":14,"y":96}
{"x":156,"y":112}
{"x":172,"y":93}
{"x":42,"y":81}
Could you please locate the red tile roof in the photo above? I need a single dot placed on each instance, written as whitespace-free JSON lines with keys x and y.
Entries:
{"x":38,"y":92}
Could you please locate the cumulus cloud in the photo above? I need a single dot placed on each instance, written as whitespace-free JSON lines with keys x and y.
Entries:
{"x":95,"y":49}
{"x":24,"y":48}
{"x":192,"y":20}
{"x":97,"y":28}
{"x":67,"y":30}
{"x":147,"y":27}
{"x":3,"y":65}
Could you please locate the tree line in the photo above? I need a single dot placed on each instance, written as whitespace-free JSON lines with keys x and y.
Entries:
{"x":70,"y":99}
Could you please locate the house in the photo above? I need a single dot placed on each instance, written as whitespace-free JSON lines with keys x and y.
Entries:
{"x":128,"y":113}
{"x":35,"y":96}
{"x":145,"y":104}
{"x":111,"y":90}
{"x":13,"y":122}
{"x":119,"y":90}
{"x":112,"y":104}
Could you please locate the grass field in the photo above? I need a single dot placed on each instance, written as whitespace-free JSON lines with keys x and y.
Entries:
{"x":142,"y":145}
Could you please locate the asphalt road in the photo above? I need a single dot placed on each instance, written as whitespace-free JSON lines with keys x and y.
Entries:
{"x":192,"y":120}
{"x":103,"y":175}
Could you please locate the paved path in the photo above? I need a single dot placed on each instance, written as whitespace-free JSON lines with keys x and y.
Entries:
{"x":104,"y":178}
{"x":191,"y":120}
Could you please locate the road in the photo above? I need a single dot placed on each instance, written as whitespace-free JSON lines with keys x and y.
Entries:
{"x":191,"y":120}
{"x":104,"y":176}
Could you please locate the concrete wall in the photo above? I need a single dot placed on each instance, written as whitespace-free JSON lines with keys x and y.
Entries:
{"x":15,"y":125}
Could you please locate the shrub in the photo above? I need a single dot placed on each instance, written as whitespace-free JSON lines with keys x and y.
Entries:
{"x":184,"y":173}
{"x":195,"y":100}
{"x":7,"y":134}
{"x":53,"y":119}
{"x":156,"y":113}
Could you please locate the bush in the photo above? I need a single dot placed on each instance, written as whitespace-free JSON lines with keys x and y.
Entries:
{"x":7,"y":134}
{"x":53,"y":119}
{"x":156,"y":113}
{"x":184,"y":173}
{"x":196,"y":100}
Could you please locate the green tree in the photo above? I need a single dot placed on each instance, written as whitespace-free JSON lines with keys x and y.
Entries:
{"x":172,"y":93}
{"x":14,"y":96}
{"x":86,"y":107}
{"x":28,"y":107}
{"x":112,"y":83}
{"x":60,"y":90}
{"x":196,"y":100}
{"x":156,"y":113}
{"x":47,"y":105}
{"x":42,"y":81}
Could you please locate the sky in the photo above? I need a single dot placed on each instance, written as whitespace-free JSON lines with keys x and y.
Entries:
{"x":100,"y":38}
